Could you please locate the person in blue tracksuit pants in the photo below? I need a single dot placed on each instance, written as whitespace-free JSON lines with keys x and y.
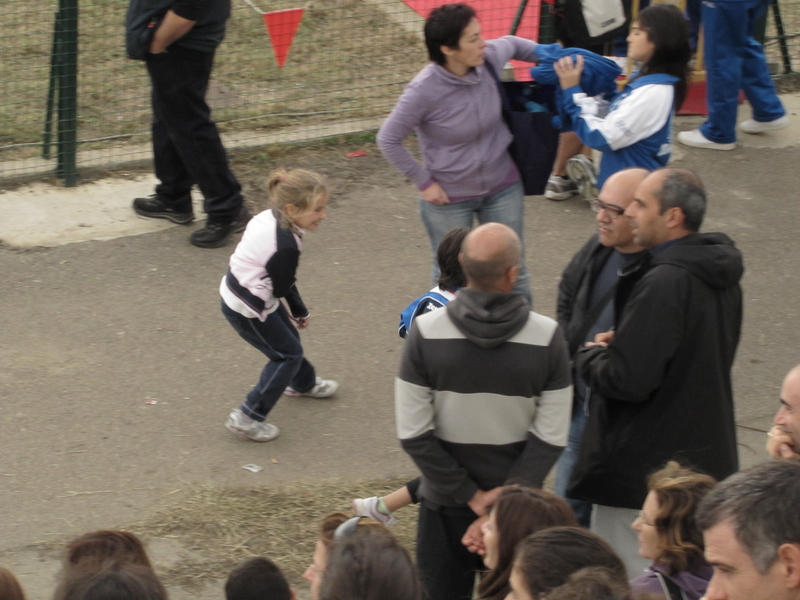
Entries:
{"x":734,"y":60}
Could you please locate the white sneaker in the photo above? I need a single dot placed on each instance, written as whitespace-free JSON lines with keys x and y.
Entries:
{"x":580,"y":169}
{"x":368,"y":507}
{"x":559,"y":188}
{"x":241,"y":424}
{"x":324,"y":388}
{"x":753,"y":126}
{"x":696,"y":139}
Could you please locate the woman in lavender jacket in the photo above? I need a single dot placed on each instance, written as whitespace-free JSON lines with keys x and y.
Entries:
{"x":453,"y":104}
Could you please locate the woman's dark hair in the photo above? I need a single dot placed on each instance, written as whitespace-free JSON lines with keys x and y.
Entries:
{"x":546,"y":559}
{"x":444,"y":27}
{"x":10,"y":589}
{"x":369,"y":565}
{"x":519,"y":512}
{"x":451,"y":276}
{"x":113,"y":581}
{"x":667,"y":30}
{"x":93,"y":549}
{"x":679,"y":491}
{"x":257,"y":578}
{"x":591,"y":583}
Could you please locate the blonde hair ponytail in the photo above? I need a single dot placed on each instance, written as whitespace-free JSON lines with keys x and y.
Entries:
{"x":298,"y":187}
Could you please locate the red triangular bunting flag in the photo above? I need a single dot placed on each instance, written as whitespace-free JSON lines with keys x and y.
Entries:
{"x":282,"y":25}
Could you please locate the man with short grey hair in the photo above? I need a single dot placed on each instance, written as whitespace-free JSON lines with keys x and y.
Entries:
{"x":660,"y":384}
{"x":751,"y":529}
{"x":483,"y":399}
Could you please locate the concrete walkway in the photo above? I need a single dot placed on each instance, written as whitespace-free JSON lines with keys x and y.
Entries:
{"x":93,"y":332}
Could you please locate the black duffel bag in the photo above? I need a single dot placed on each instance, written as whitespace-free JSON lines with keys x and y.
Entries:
{"x":535,"y":139}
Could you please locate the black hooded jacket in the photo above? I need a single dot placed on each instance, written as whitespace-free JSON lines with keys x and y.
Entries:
{"x":662,"y":389}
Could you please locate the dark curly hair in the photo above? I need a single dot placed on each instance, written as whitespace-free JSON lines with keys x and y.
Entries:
{"x":444,"y":27}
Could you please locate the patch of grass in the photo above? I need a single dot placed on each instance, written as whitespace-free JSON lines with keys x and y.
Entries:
{"x":347,"y":60}
{"x":224,"y":527}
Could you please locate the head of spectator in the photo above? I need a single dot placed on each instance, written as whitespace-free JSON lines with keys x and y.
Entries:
{"x":751,"y":528}
{"x":517,"y":513}
{"x":93,"y":549}
{"x":112,"y":581}
{"x":10,"y":589}
{"x":614,"y":228}
{"x":591,"y":583}
{"x":451,"y":275}
{"x":490,"y":257}
{"x":330,"y":525}
{"x":668,"y":32}
{"x":669,"y":204}
{"x":668,"y":534}
{"x":784,"y":437}
{"x":257,"y":578}
{"x":453,"y":38}
{"x":545,"y":560}
{"x":369,"y":564}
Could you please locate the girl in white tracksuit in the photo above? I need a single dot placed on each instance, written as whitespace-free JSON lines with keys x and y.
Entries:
{"x":633,"y":128}
{"x":262,"y":271}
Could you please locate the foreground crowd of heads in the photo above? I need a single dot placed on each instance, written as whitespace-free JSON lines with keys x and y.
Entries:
{"x":747,"y":528}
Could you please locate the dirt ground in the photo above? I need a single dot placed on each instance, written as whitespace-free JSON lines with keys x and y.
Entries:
{"x":92,"y":333}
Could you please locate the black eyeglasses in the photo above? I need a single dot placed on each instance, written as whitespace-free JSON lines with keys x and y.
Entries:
{"x":613,"y":212}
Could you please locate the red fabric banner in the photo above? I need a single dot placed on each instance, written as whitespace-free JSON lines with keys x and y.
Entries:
{"x":281,"y":26}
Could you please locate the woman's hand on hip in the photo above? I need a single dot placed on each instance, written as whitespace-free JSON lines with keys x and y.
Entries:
{"x":435,"y":194}
{"x":569,"y":72}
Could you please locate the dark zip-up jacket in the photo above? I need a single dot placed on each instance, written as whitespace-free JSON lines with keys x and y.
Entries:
{"x":662,"y":389}
{"x":574,"y":289}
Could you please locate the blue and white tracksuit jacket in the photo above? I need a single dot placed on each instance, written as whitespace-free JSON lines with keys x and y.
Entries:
{"x":634,"y":129}
{"x":433,"y":300}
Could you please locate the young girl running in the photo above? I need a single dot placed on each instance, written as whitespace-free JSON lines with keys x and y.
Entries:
{"x":262,"y":271}
{"x":636,"y":129}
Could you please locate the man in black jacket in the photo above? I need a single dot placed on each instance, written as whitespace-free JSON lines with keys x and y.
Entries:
{"x":177,"y":40}
{"x":585,"y":301}
{"x":660,"y":383}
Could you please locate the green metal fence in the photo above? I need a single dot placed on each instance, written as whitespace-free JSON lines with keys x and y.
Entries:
{"x":71,"y":100}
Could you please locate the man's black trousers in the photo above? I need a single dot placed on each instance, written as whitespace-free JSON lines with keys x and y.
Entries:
{"x":446,"y":567}
{"x":186,"y":144}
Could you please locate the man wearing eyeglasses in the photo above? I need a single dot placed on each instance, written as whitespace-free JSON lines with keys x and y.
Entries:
{"x":585,"y":301}
{"x":661,"y":381}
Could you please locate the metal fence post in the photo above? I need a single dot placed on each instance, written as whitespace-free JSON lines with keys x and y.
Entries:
{"x":52,"y":87}
{"x":68,"y":94}
{"x":547,"y":23}
{"x":787,"y":61}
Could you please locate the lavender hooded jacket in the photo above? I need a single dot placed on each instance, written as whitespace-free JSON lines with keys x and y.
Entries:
{"x":461,"y":133}
{"x":692,"y":583}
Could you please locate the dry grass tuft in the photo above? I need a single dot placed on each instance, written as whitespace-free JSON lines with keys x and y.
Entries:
{"x":223,"y":527}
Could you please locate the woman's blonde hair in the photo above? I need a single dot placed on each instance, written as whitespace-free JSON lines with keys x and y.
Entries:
{"x":679,"y":491}
{"x":298,"y":187}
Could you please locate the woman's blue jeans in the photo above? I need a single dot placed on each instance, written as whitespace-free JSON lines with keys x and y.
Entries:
{"x":506,"y":206}
{"x":279,"y":340}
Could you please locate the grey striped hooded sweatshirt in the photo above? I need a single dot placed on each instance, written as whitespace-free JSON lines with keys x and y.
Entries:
{"x":483,"y":397}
